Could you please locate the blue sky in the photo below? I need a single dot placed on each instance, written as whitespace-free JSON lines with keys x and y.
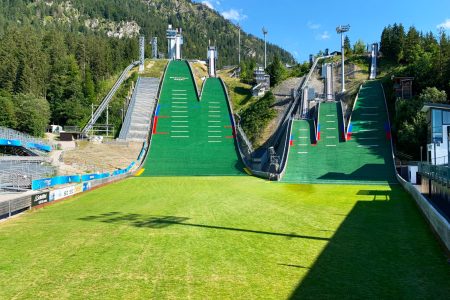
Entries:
{"x":305,"y":27}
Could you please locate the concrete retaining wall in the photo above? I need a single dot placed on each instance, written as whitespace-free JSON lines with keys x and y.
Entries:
{"x":439,"y":224}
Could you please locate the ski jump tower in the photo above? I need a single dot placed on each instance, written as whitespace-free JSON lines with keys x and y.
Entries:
{"x":141,"y":53}
{"x":174,"y":42}
{"x":155,"y":47}
{"x":212,"y":60}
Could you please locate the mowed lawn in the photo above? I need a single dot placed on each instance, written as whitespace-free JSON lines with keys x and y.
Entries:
{"x":223,"y":238}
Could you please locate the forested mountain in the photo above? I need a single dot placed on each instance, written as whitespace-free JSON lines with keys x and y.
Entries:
{"x":426,"y":57}
{"x":65,"y":52}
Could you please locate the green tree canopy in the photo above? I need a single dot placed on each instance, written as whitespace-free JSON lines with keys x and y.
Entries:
{"x":8,"y":113}
{"x":347,"y":46}
{"x":359,"y":48}
{"x":433,"y":95}
{"x":32,"y":113}
{"x":276,"y":70}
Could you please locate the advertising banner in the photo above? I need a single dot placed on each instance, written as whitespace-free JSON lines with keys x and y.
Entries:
{"x":6,"y":142}
{"x":62,"y":193}
{"x":86,"y":186}
{"x":40,"y":198}
{"x":39,"y":184}
{"x":88,"y":177}
{"x":78,"y":188}
{"x":67,"y":191}
{"x":41,"y":147}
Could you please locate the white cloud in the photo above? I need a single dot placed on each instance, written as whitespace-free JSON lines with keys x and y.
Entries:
{"x":323,"y":36}
{"x":234,"y":15}
{"x":208,"y":4}
{"x":312,"y":25}
{"x":218,"y":2}
{"x":445,"y":24}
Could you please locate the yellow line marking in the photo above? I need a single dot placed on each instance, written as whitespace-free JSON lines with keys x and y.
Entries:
{"x":247,"y":171}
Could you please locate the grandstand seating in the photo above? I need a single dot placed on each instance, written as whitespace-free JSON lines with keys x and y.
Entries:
{"x":20,"y":163}
{"x":136,"y":125}
{"x":14,"y":138}
{"x":17,"y":174}
{"x":365,"y":158}
{"x":191,"y":137}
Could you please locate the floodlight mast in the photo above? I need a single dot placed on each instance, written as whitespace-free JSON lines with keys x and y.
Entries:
{"x":265,"y":32}
{"x":340,"y":30}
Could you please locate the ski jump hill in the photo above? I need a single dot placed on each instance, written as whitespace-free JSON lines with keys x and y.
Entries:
{"x":327,"y":153}
{"x":192,"y":136}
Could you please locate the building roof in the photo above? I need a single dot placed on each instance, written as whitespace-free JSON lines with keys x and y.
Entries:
{"x":403,"y":77}
{"x":426,"y":107}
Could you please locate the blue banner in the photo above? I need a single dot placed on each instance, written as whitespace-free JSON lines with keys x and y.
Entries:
{"x":5,"y":142}
{"x":43,"y":183}
{"x":41,"y":147}
{"x":86,"y":186}
{"x":18,"y":143}
{"x":88,"y":177}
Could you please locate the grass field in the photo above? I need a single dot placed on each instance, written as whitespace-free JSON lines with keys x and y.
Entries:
{"x":223,"y":238}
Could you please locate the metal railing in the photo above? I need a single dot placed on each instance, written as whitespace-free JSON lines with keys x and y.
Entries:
{"x":108,"y":97}
{"x":290,"y":116}
{"x":302,"y":109}
{"x":437,"y":173}
{"x":11,"y":134}
{"x":18,"y":174}
{"x":127,"y":122}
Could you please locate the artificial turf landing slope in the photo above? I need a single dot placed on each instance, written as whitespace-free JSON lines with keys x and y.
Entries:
{"x":365,"y":158}
{"x":223,"y":238}
{"x":191,"y":137}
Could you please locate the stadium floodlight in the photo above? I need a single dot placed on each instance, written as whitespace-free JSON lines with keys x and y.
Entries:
{"x":340,"y":30}
{"x":265,"y":32}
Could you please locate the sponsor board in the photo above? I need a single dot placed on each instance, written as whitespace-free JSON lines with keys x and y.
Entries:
{"x":86,"y":186}
{"x":6,"y":142}
{"x":65,"y":192}
{"x":78,"y":188}
{"x":40,"y":198}
{"x":38,"y":184}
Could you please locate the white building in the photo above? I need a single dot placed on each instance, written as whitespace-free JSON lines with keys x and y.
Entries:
{"x":212,"y":60}
{"x":174,"y":42}
{"x":438,"y":118}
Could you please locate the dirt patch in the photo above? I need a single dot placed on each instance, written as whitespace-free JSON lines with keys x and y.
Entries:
{"x":200,"y":71}
{"x":90,"y":157}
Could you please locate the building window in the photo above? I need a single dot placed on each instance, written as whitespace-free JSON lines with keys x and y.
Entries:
{"x":437,"y":126}
{"x":446,"y":117}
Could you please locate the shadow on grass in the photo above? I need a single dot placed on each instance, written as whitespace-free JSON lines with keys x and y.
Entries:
{"x":368,"y":172}
{"x":158,"y":222}
{"x":382,"y":250}
{"x":244,"y":92}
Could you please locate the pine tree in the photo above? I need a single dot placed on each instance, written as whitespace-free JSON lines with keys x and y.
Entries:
{"x":88,"y":88}
{"x":8,"y":115}
{"x":33,"y":114}
{"x":347,"y":46}
{"x":276,"y":70}
{"x":359,"y":48}
{"x":413,"y":45}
